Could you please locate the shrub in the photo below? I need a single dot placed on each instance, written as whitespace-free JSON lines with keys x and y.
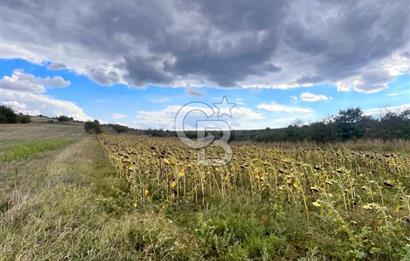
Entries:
{"x":63,"y":118}
{"x":7,"y":114}
{"x":119,"y":128}
{"x":23,"y":118}
{"x":3,"y":118}
{"x":92,"y":127}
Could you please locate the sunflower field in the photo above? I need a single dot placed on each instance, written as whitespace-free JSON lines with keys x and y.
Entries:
{"x":274,"y":201}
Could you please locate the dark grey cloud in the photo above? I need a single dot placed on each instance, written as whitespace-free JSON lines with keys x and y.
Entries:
{"x":239,"y":15}
{"x":348,"y":35}
{"x":102,"y":76}
{"x":226,"y":43}
{"x":140,"y":72}
{"x":191,"y":92}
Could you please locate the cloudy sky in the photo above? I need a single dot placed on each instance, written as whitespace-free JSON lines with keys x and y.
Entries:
{"x":138,"y":62}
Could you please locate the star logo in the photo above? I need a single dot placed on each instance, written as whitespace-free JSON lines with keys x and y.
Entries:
{"x":224,"y":107}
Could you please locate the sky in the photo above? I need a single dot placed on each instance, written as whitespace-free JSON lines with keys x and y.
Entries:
{"x":137,"y":63}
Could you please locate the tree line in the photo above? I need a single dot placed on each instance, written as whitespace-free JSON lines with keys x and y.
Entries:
{"x":349,"y":124}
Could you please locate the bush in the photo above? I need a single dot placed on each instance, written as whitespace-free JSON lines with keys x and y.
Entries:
{"x":92,"y":127}
{"x":3,"y":118}
{"x":119,"y":128}
{"x":63,"y":118}
{"x":23,"y":118}
{"x":7,"y":114}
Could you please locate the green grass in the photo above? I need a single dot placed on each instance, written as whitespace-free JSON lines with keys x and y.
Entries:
{"x":31,"y":149}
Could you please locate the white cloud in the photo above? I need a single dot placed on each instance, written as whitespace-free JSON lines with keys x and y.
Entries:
{"x":242,"y":118}
{"x":101,"y":121}
{"x":245,"y":118}
{"x":273,"y":84}
{"x":25,"y":93}
{"x":276,"y":107}
{"x":394,"y":94}
{"x":22,"y":107}
{"x":34,"y":104}
{"x":244,"y":113}
{"x":399,"y":93}
{"x":384,"y":110}
{"x":377,"y":77}
{"x":344,"y":86}
{"x":17,"y":83}
{"x":310,"y":97}
{"x":54,"y":82}
{"x":117,"y":116}
{"x":161,"y":119}
{"x":398,"y":63}
{"x":165,"y":118}
{"x":21,"y":81}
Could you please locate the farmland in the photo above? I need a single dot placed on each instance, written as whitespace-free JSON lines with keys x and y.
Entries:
{"x":275,"y":201}
{"x":68,"y":195}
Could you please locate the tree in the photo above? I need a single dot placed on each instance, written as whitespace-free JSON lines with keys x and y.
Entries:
{"x":63,"y":118}
{"x":349,"y":123}
{"x":295,"y":133}
{"x":405,"y":117}
{"x":92,"y":127}
{"x":322,"y":132}
{"x":395,"y":125}
{"x":7,"y":114}
{"x":23,"y":118}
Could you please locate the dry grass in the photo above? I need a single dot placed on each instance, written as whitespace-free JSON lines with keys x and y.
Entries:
{"x":70,"y":204}
{"x":16,"y":134}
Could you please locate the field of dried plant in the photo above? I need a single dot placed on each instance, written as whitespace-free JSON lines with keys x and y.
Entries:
{"x":328,"y":201}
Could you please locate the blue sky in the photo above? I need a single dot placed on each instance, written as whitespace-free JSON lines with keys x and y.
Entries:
{"x":123,"y":104}
{"x":137,"y":62}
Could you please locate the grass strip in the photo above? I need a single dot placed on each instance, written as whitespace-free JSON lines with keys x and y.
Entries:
{"x":34,"y":148}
